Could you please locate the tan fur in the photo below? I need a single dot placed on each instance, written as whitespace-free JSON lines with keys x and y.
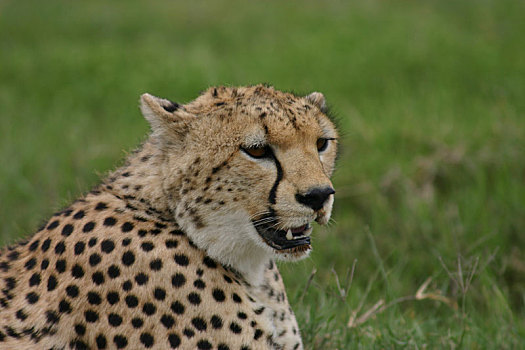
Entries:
{"x":174,"y":229}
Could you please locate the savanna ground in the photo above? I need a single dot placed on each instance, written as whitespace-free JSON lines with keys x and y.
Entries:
{"x":426,"y":249}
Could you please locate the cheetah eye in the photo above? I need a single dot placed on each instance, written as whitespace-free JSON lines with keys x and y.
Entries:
{"x":322,"y":144}
{"x":257,"y":152}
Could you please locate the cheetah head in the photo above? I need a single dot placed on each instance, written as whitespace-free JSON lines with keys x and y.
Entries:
{"x":246,"y":171}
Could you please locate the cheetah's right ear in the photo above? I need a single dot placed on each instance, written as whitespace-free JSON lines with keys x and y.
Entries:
{"x":165,"y":117}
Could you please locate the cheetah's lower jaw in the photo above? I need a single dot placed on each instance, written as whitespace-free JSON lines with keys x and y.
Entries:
{"x":284,"y":240}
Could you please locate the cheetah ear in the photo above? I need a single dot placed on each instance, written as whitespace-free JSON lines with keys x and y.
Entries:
{"x":165,"y":117}
{"x":317,"y":99}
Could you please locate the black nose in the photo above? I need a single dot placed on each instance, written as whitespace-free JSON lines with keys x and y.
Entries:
{"x":315,"y":197}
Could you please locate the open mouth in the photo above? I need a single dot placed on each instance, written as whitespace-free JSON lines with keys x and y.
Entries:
{"x":293,"y":238}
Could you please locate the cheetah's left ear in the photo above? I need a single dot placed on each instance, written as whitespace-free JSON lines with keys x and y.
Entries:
{"x":317,"y":99}
{"x":164,"y":116}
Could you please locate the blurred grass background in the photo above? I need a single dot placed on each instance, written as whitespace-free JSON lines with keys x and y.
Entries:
{"x":431,"y":178}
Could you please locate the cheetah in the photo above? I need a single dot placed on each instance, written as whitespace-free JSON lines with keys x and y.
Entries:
{"x":176,"y":249}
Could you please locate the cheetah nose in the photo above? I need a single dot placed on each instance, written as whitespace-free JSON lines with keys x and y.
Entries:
{"x":315,"y":197}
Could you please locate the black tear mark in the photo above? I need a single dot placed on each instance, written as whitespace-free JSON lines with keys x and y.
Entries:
{"x":172,"y":107}
{"x":273,"y":192}
{"x":214,"y":93}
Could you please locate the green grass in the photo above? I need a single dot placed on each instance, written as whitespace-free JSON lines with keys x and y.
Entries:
{"x":431,"y":178}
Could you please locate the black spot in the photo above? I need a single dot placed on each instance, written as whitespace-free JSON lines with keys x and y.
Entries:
{"x":128,"y":258}
{"x":200,"y":272}
{"x":97,"y":278}
{"x":188,"y":332}
{"x":4,"y":265}
{"x":113,"y":298}
{"x":147,"y":340}
{"x":177,"y":233}
{"x":126,"y":174}
{"x":199,"y":284}
{"x":34,"y":245}
{"x":94,"y":298}
{"x":107,"y":246}
{"x":174,"y":340}
{"x":218,"y":104}
{"x":194,"y":298}
{"x":79,"y":215}
{"x":64,"y":307}
{"x":21,"y":315}
{"x":258,"y":333}
{"x":52,"y":317}
{"x":223,"y":347}
{"x":137,"y":322}
{"x":127,"y":285}
{"x":120,"y":341}
{"x":142,"y":233}
{"x":53,"y":225}
{"x":67,"y":230}
{"x":242,"y":315}
{"x":141,"y":279}
{"x":236,"y":298}
{"x":126,"y":242}
{"x":77,"y":271}
{"x":227,"y":279}
{"x":72,"y":291}
{"x":216,"y":322}
{"x":60,"y":265}
{"x":178,"y":280}
{"x":199,"y":324}
{"x":45,"y":245}
{"x":113,"y":271}
{"x":126,"y":227}
{"x":132,"y":301}
{"x":114,"y":320}
{"x":147,"y":246}
{"x":44,"y":264}
{"x":32,"y":297}
{"x":30,"y":264}
{"x":94,"y":259}
{"x":235,"y":328}
{"x":51,"y":283}
{"x":60,"y":248}
{"x":177,"y":308}
{"x":88,"y":227}
{"x":149,"y":309}
{"x":155,"y":265}
{"x":204,"y":345}
{"x":110,"y":221}
{"x":171,"y":243}
{"x":80,"y":329}
{"x":167,"y":321}
{"x":159,"y":294}
{"x":101,"y":341}
{"x":92,"y":242}
{"x":79,"y":248}
{"x":34,"y":280}
{"x":209,"y":262}
{"x":101,"y":206}
{"x":181,"y":259}
{"x":218,"y":295}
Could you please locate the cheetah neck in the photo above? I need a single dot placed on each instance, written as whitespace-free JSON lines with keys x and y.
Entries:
{"x":139,"y":181}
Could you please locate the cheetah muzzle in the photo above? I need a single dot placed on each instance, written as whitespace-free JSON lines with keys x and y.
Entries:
{"x":176,"y":249}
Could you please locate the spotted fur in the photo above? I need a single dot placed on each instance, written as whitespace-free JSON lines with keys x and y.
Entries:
{"x":176,"y":249}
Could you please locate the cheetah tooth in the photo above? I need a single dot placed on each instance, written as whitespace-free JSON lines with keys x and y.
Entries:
{"x":289,"y":235}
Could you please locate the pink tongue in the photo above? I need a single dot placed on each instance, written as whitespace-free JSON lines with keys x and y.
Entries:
{"x":298,"y":229}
